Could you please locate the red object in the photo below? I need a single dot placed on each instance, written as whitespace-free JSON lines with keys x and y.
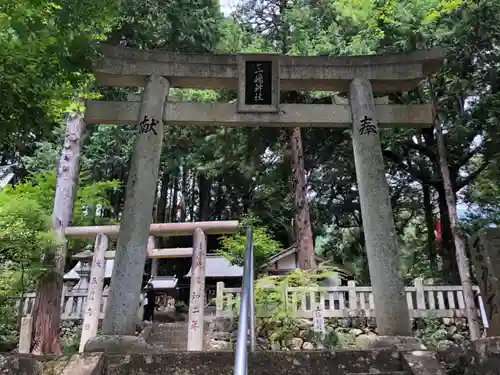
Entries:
{"x":437,"y":231}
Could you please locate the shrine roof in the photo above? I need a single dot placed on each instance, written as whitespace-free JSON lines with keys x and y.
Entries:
{"x":73,"y":274}
{"x":218,"y":266}
{"x":163,"y":282}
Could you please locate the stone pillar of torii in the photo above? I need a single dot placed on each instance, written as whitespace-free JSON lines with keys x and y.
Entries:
{"x":259,"y":79}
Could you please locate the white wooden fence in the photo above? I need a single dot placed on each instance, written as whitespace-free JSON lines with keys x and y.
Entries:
{"x":336,"y":301}
{"x":72,"y":304}
{"x":352,"y":300}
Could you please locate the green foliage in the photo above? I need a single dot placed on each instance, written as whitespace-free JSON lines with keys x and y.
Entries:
{"x":71,"y":342}
{"x":277,"y":306}
{"x":264,"y":246}
{"x":169,"y":24}
{"x":45,"y":51}
{"x":181,"y":307}
{"x":24,"y":237}
{"x":25,"y":225}
{"x":91,"y":196}
{"x":434,"y":331}
{"x":8,"y":326}
{"x":329,"y":340}
{"x":24,"y":233}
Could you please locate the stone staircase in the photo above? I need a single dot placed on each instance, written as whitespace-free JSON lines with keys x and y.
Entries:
{"x":168,"y":337}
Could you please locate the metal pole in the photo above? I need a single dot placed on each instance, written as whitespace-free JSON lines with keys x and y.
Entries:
{"x":251,"y":298}
{"x":240,"y":361}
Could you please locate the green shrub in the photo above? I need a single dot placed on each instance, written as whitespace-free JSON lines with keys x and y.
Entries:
{"x":275,"y":306}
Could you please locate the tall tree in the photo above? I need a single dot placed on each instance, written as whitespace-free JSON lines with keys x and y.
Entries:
{"x":461,"y":255}
{"x":269,"y":20}
{"x":47,"y":312}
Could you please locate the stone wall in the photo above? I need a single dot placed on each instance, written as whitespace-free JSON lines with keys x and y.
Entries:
{"x":342,"y":333}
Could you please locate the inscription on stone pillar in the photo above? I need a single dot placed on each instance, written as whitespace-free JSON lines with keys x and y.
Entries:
{"x":258,"y":82}
{"x":94,"y":296}
{"x":148,"y":125}
{"x":197,"y":291}
{"x":366,"y":126}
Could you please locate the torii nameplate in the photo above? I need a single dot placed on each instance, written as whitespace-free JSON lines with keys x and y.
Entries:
{"x":258,"y":82}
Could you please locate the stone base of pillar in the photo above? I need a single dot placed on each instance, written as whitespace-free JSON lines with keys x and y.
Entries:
{"x":401,"y":343}
{"x":485,"y":345}
{"x":115,"y":344}
{"x":422,"y":362}
{"x":483,"y":356}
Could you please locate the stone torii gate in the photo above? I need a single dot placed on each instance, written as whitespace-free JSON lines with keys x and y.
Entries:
{"x":259,"y":79}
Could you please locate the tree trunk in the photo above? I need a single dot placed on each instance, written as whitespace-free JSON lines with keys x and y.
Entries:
{"x":184,"y":194}
{"x":47,"y":310}
{"x":302,"y":221}
{"x":173,"y":206}
{"x":462,"y":260}
{"x":219,"y":200}
{"x":192,"y":198}
{"x":204,"y":186}
{"x":447,"y":247}
{"x":429,"y":222}
{"x":161,"y":207}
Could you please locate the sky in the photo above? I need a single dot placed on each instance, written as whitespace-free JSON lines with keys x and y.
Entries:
{"x":227,"y":6}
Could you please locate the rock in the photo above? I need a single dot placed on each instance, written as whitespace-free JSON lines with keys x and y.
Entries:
{"x":304,"y":323}
{"x":88,"y":364}
{"x":296,"y":343}
{"x":223,"y":336}
{"x":117,"y":344}
{"x":440,"y":334}
{"x":234,"y":336}
{"x":452,"y":329}
{"x":219,"y":345}
{"x":343,"y":330}
{"x":222,"y":324}
{"x":358,"y":322}
{"x":365,"y":340}
{"x":446,"y":345}
{"x":356,"y":332}
{"x":308,"y":346}
{"x":345,"y":322}
{"x":402,"y":343}
{"x":458,"y":338}
{"x":263,"y":342}
{"x":275,"y":346}
{"x":304,"y":334}
{"x":14,"y":365}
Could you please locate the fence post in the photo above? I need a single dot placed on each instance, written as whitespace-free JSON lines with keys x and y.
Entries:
{"x":219,"y":299}
{"x":154,"y":261}
{"x":353,"y":301}
{"x":92,"y":309}
{"x":420,"y":295}
{"x":25,"y":334}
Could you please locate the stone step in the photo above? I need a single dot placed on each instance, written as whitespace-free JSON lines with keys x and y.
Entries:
{"x":353,"y":362}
